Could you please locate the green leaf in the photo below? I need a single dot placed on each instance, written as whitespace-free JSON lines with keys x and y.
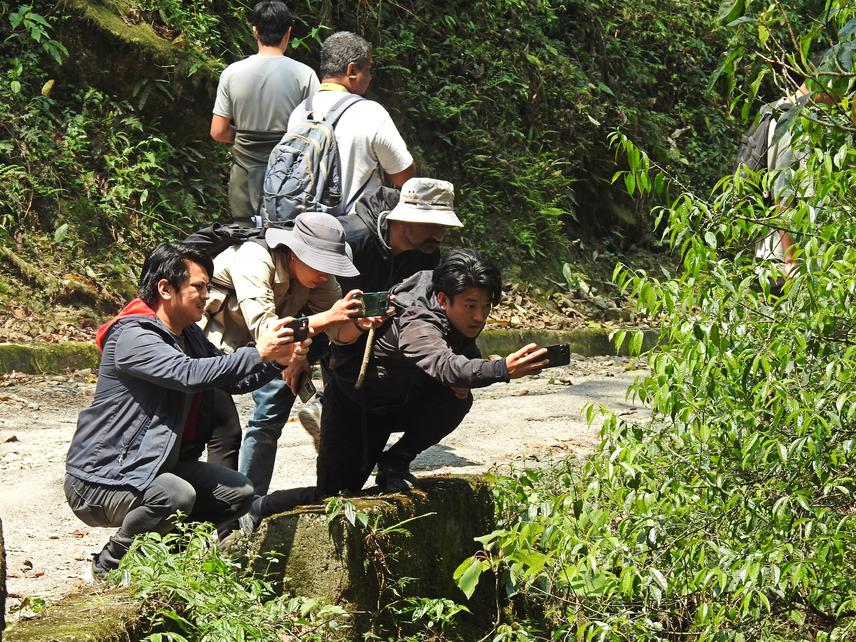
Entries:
{"x":467,"y":575}
{"x":786,"y":121}
{"x":350,"y":513}
{"x":731,"y":10}
{"x":61,"y":232}
{"x":636,"y":342}
{"x":847,"y":30}
{"x":630,"y":183}
{"x":710,"y":239}
{"x":659,"y":578}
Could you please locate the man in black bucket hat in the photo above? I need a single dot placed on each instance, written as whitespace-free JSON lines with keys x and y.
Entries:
{"x":254,"y":286}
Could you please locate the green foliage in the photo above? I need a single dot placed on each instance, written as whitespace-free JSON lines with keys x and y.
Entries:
{"x":83,"y":168}
{"x":200,"y":594}
{"x":730,"y":515}
{"x":510,"y":100}
{"x":396,"y":615}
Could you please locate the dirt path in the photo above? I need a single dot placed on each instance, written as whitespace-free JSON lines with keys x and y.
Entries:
{"x":47,"y":547}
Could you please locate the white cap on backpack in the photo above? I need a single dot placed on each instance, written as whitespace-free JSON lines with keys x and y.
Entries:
{"x":426,"y":200}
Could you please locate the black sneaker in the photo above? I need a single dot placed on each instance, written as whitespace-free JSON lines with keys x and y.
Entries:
{"x":94,"y":573}
{"x":394,"y":481}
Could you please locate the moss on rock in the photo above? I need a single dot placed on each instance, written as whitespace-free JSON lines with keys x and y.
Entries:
{"x":302,"y":554}
{"x":47,"y":357}
{"x":118,"y":57}
{"x":92,"y":616}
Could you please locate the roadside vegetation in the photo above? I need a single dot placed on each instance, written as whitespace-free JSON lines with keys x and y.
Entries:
{"x":730,"y":515}
{"x":512,"y":100}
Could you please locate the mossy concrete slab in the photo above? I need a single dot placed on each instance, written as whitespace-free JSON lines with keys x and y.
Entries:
{"x":300,"y":552}
{"x":589,"y":342}
{"x":91,"y":616}
{"x":56,"y":358}
{"x":47,"y":358}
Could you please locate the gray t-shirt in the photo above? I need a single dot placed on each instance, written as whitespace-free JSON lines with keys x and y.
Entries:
{"x":260,"y":92}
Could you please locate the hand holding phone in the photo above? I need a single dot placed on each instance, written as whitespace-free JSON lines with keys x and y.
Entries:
{"x":530,"y":359}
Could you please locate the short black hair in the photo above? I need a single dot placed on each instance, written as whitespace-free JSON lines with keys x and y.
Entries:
{"x":342,"y":49}
{"x":169,"y":261}
{"x":461,"y":270}
{"x":272,"y":20}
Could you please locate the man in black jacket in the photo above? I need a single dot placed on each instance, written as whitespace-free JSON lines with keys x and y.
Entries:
{"x":132,"y":461}
{"x":392,"y":235}
{"x":423,"y":365}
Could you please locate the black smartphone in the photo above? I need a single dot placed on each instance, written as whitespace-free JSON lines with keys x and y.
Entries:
{"x":301,"y":328}
{"x":305,"y":388}
{"x":558,"y":354}
{"x":374,"y":304}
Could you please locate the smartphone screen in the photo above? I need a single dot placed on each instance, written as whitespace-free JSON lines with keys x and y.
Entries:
{"x":374,"y":304}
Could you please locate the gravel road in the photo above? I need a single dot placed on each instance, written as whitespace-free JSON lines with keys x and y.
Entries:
{"x":531,"y":421}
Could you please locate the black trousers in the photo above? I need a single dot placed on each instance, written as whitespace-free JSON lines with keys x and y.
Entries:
{"x":346,"y":459}
{"x":225,"y":441}
{"x":353,"y":437}
{"x":203,"y":492}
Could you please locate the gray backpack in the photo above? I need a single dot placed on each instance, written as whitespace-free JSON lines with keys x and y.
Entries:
{"x":304,"y":172}
{"x":752,"y":153}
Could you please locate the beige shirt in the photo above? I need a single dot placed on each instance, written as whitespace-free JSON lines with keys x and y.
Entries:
{"x":251,"y":290}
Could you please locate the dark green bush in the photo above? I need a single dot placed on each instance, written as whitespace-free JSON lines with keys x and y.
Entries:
{"x":730,"y":515}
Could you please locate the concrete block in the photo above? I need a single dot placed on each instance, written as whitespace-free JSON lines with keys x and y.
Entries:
{"x":354,"y":567}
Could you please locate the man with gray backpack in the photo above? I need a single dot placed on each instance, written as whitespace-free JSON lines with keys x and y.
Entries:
{"x":338,"y":145}
{"x":769,"y":144}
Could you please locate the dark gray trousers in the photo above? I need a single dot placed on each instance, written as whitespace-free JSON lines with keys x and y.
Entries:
{"x":201,"y":491}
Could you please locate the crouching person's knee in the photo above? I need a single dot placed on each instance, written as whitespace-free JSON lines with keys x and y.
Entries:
{"x":169,"y":495}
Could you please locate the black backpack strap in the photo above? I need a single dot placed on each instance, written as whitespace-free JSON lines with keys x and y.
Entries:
{"x":335,"y":113}
{"x":357,"y":194}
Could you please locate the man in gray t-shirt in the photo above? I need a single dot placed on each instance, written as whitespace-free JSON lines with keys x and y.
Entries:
{"x":255,"y":98}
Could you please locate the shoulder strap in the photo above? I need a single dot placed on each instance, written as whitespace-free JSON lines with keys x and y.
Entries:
{"x":335,"y":113}
{"x":307,"y":105}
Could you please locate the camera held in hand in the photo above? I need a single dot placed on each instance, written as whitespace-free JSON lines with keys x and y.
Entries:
{"x":300,"y":327}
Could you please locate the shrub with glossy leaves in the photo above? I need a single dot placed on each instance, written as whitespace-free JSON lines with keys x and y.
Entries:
{"x":730,"y":515}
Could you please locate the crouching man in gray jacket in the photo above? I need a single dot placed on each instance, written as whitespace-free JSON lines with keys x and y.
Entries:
{"x":132,"y":462}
